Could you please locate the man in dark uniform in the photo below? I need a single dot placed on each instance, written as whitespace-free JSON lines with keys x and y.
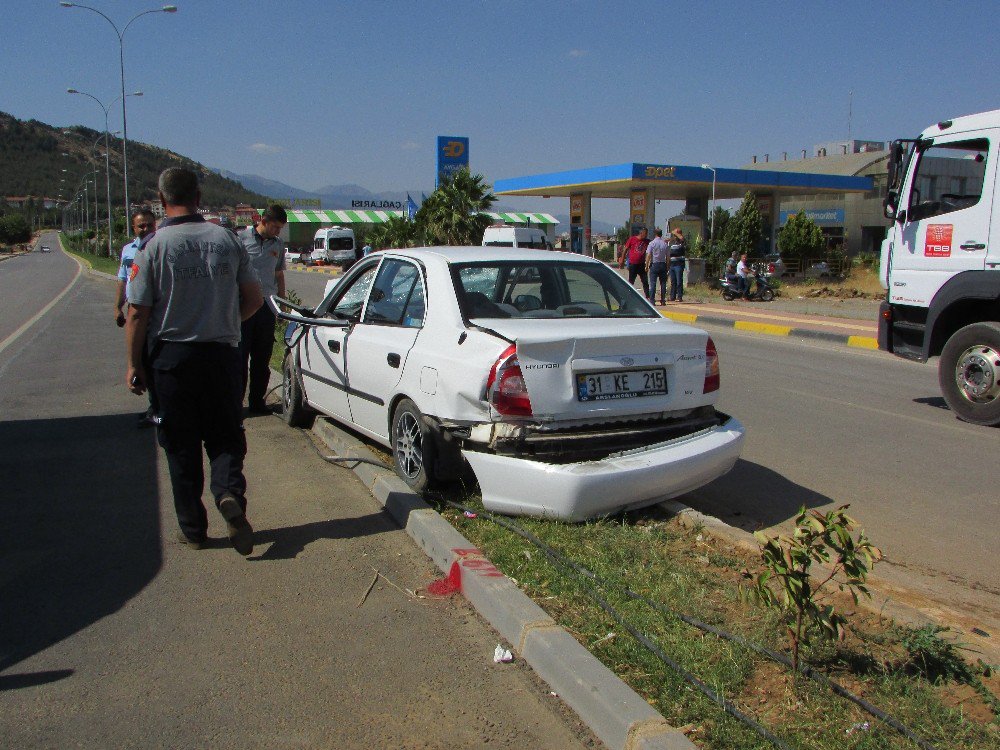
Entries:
{"x":267,"y":255}
{"x":191,"y":285}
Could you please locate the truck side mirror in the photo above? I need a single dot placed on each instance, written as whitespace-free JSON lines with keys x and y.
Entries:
{"x":889,"y":204}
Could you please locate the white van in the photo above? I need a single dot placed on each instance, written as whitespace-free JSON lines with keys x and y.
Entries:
{"x":501,"y":235}
{"x":335,"y":245}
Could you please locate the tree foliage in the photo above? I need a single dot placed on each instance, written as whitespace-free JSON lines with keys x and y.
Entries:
{"x":14,"y":229}
{"x":745,"y":230}
{"x":824,"y":538}
{"x":801,"y":238}
{"x":451,"y":215}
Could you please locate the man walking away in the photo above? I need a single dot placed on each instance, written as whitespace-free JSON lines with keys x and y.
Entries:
{"x":656,"y":263}
{"x":634,"y":253}
{"x":191,"y":286}
{"x":143,"y":225}
{"x":257,"y":332}
{"x":678,"y":251}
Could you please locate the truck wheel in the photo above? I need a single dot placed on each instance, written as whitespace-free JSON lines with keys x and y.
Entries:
{"x":412,"y":446}
{"x":294,"y":412}
{"x":969,"y":373}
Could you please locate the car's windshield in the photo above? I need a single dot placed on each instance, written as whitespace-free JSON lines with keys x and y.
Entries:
{"x":547,"y":289}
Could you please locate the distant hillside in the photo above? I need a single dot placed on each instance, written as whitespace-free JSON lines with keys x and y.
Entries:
{"x":31,"y":163}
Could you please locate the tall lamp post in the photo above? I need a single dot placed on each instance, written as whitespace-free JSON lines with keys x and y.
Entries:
{"x":712,"y":230}
{"x":121,"y":60}
{"x":107,"y":157}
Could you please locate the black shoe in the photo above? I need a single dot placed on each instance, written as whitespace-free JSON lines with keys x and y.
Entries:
{"x":259,"y":407}
{"x":192,"y":543}
{"x":239,"y":528}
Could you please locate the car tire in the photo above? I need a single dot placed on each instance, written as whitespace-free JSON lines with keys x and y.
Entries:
{"x":969,"y":373}
{"x":412,"y":446}
{"x":767,"y":295}
{"x":293,"y":410}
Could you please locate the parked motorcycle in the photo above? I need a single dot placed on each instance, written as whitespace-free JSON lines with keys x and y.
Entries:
{"x":763,"y":292}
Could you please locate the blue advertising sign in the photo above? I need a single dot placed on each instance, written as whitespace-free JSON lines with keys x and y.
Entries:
{"x":824,"y":217}
{"x":452,"y":155}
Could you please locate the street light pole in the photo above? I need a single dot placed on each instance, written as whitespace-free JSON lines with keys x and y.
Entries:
{"x":712,"y":230}
{"x":107,"y":155}
{"x":121,"y":60}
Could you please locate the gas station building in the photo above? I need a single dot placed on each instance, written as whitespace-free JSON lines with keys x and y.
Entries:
{"x":642,"y":185}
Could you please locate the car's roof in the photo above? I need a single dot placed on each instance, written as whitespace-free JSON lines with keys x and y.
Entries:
{"x":475,"y":254}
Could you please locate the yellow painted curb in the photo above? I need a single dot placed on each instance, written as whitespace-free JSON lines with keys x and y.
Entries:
{"x":679,"y":317}
{"x":863,"y":342}
{"x":769,"y":328}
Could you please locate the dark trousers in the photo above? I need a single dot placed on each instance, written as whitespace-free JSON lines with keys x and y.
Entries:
{"x":638,"y":269}
{"x":198,"y":390}
{"x":677,"y":283}
{"x":256,"y":345}
{"x":657,"y":272}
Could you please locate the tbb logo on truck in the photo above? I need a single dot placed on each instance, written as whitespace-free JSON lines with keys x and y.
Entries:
{"x":938,"y":241}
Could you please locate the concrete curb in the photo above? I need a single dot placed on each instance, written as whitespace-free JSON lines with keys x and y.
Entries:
{"x":861,"y":342}
{"x":618,"y":715}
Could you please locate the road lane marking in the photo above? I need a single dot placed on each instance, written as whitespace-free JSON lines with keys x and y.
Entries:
{"x":14,"y":336}
{"x":958,"y":426}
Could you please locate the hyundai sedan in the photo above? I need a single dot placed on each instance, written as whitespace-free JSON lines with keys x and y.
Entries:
{"x":566,"y":393}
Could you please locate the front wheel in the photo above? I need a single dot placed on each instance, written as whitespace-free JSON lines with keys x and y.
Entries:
{"x":293,"y":410}
{"x":969,"y":373}
{"x":767,"y":295}
{"x":727,"y":295}
{"x":412,"y":446}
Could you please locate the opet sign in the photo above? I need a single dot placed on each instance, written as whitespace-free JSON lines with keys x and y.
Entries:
{"x":452,"y":155}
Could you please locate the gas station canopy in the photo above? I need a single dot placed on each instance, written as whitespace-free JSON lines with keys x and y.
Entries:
{"x":677,"y":182}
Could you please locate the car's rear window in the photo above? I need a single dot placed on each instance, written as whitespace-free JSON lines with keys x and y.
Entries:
{"x":550,"y":289}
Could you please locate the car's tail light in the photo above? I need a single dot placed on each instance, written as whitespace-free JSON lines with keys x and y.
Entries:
{"x":505,"y":387}
{"x":770,"y":267}
{"x":711,"y":367}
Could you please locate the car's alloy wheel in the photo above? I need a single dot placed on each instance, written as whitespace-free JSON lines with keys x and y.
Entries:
{"x":412,"y":445}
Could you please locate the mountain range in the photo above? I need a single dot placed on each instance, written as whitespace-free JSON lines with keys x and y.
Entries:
{"x":41,"y":160}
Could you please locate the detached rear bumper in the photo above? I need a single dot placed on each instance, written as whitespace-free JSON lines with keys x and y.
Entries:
{"x":578,"y":491}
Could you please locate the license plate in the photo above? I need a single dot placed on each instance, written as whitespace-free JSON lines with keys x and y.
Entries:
{"x":605,"y":386}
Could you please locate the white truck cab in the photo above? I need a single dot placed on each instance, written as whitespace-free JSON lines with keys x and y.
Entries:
{"x":940,"y":261}
{"x":502,"y":235}
{"x":335,"y":245}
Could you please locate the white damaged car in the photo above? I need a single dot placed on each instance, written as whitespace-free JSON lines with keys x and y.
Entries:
{"x":563,"y":389}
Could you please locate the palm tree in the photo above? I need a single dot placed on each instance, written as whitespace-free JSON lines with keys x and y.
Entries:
{"x":452,"y":214}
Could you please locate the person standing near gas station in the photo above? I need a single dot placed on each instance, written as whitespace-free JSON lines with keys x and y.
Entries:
{"x":267,"y":256}
{"x":634,"y":254}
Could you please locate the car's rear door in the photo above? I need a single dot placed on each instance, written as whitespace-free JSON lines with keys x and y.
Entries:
{"x":377,"y":347}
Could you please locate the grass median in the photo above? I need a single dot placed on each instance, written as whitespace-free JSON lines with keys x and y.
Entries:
{"x":952,"y":704}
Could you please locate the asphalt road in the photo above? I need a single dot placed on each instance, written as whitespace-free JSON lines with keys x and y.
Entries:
{"x":115,"y":635}
{"x":829,"y":425}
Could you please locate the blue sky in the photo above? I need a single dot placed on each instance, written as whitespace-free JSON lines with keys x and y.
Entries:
{"x":319,"y":93}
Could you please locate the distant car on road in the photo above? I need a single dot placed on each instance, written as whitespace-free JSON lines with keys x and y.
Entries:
{"x":567,"y":394}
{"x":294,"y":255}
{"x":46,"y":249}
